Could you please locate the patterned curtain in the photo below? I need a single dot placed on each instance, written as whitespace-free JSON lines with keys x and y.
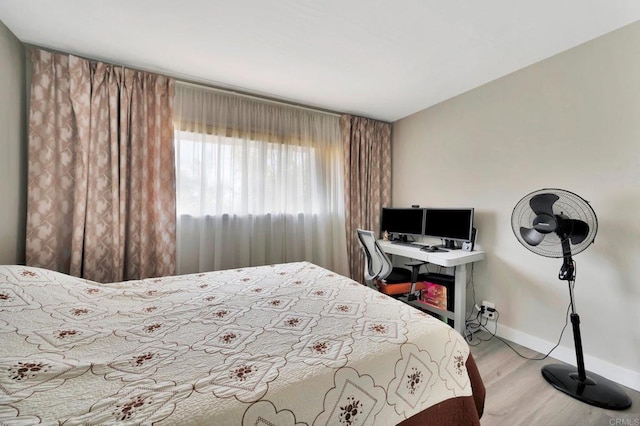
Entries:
{"x":367,"y":151}
{"x":101,"y":180}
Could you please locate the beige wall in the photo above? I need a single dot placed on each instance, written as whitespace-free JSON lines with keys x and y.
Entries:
{"x":12,"y":148}
{"x":571,"y":122}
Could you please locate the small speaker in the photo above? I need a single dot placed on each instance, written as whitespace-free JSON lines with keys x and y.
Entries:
{"x":468,"y":245}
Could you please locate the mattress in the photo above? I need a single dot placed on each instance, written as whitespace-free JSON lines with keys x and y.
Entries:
{"x":286,"y":344}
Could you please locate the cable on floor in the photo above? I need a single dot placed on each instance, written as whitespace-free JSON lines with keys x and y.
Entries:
{"x":476,"y":324}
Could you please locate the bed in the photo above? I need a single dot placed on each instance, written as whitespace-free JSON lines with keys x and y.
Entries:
{"x":286,"y":344}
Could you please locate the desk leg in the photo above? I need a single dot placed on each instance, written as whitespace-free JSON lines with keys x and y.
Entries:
{"x":460,"y":299}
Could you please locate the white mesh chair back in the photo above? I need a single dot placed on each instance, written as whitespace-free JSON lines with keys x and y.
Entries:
{"x":377,"y":263}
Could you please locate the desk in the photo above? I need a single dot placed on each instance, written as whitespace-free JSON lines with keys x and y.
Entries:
{"x":457,"y":259}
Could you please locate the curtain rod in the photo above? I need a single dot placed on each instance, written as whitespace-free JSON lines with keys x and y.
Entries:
{"x":257,"y":97}
{"x":185,"y":81}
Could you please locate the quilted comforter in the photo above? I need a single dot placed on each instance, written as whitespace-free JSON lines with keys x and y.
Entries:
{"x":287,"y":344}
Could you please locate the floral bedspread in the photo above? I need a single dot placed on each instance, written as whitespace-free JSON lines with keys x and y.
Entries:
{"x":288,"y":344}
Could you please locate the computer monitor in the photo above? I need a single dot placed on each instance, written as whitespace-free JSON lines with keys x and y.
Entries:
{"x":402,"y":221}
{"x":452,"y":225}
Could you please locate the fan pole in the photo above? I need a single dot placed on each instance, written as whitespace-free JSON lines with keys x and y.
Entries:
{"x":568,"y":273}
{"x":593,"y":389}
{"x":577,"y":337}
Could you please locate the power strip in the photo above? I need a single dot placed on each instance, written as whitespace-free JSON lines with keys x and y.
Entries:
{"x":488,"y":310}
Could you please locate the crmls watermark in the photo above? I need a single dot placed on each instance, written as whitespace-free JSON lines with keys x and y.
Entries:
{"x":625,"y":422}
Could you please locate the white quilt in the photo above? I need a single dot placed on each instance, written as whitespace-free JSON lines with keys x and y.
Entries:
{"x":289,"y":344}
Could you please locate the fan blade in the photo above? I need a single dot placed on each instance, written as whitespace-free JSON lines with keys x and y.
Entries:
{"x":543,"y":203}
{"x":531,"y":236}
{"x":579,"y":231}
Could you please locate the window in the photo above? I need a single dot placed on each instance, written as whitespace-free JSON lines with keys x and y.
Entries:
{"x":257,"y":183}
{"x":224,"y":175}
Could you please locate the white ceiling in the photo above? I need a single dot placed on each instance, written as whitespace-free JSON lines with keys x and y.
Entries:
{"x":375,"y":58}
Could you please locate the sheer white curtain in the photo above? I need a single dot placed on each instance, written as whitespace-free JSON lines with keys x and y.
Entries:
{"x":257,"y":183}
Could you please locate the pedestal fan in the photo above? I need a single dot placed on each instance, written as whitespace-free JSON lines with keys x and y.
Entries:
{"x":558,"y":223}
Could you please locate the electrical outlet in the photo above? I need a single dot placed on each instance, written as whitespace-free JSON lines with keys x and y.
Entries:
{"x":488,"y":310}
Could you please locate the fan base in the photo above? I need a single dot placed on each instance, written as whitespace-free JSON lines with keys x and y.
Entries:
{"x":595,"y":390}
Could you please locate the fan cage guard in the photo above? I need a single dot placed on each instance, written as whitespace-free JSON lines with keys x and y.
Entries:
{"x":570,"y":205}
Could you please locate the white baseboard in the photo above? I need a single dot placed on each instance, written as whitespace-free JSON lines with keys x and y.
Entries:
{"x":623,"y":376}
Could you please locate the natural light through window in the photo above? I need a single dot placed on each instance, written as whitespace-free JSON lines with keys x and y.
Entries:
{"x":220,"y":175}
{"x":256,"y":183}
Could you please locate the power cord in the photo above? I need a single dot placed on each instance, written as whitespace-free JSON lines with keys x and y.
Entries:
{"x":477,"y":324}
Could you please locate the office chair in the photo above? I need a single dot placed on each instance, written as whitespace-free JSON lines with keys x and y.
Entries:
{"x":379,"y":272}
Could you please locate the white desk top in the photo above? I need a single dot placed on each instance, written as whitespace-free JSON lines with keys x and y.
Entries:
{"x":446,"y":259}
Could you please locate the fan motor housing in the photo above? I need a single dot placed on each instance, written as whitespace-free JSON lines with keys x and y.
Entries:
{"x":545,"y":223}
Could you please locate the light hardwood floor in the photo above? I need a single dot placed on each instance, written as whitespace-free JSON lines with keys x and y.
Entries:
{"x":517,"y":394}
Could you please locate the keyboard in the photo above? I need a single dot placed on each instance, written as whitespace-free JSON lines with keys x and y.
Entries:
{"x":407,"y":243}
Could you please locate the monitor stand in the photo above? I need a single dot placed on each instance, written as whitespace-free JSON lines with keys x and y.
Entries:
{"x":448,"y":244}
{"x":401,"y":237}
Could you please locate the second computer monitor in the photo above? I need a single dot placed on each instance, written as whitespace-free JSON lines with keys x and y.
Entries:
{"x":452,"y":225}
